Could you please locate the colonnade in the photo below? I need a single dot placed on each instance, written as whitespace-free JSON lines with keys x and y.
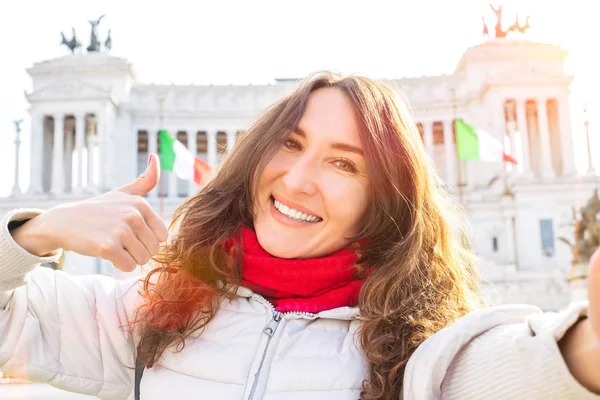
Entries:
{"x":538,"y":131}
{"x":63,"y":146}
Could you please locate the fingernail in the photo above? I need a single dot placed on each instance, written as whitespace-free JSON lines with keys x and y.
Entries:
{"x":149,"y":158}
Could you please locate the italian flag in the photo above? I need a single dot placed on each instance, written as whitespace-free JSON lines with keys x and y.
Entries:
{"x":475,"y":144}
{"x":175,"y":157}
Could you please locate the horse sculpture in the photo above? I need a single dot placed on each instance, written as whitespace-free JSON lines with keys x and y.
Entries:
{"x":517,"y":27}
{"x":523,"y":28}
{"x":73,"y":43}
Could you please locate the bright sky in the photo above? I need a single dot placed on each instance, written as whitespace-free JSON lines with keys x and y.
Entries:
{"x":253,"y":41}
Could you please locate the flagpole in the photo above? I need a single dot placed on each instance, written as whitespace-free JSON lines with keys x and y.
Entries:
{"x":453,"y":137}
{"x":459,"y":173}
{"x":511,"y":131}
{"x":509,"y":125}
{"x":161,"y":180}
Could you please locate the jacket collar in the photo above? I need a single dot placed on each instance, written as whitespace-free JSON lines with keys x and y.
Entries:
{"x":340,"y":313}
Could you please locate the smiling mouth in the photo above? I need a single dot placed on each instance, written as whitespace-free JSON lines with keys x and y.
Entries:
{"x":293,"y":214}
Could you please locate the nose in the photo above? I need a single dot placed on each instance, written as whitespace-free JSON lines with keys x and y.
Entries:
{"x":301,"y":176}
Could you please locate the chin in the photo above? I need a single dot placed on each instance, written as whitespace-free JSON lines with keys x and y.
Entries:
{"x":278,"y":245}
{"x":283,"y":254}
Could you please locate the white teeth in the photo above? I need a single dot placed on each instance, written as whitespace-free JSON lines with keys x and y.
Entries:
{"x":294,"y":214}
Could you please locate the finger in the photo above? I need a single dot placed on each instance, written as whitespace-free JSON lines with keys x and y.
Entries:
{"x":148,"y":238}
{"x":123,"y":260}
{"x":153,"y":220}
{"x":145,"y":182}
{"x":134,"y":247}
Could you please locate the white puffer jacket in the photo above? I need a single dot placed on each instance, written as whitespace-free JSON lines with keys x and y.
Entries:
{"x":71,"y":332}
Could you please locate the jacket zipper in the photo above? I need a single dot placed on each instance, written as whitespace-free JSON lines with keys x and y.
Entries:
{"x":269,"y":330}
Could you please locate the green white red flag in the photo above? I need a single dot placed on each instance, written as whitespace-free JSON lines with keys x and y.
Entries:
{"x":476,"y":144}
{"x":175,"y":157}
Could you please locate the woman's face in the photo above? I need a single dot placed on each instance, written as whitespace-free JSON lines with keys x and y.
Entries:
{"x":313,"y":194}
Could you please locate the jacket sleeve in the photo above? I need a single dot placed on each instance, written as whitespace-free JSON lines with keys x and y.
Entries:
{"x":504,"y":352}
{"x":69,"y":331}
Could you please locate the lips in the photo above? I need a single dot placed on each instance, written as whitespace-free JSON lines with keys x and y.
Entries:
{"x":294,"y":211}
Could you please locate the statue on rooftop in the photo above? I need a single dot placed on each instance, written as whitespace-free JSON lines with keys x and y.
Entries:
{"x":94,"y":41}
{"x":500,"y":33}
{"x":486,"y":31}
{"x":517,"y":27}
{"x":108,"y":42}
{"x":18,"y":125}
{"x":72,"y":43}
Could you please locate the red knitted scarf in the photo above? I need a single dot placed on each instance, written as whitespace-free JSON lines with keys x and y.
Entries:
{"x":299,"y":285}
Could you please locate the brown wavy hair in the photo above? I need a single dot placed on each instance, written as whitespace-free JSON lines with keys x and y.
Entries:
{"x":424,"y":272}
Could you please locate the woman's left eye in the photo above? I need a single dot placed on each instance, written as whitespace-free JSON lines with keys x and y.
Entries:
{"x":345,"y":164}
{"x":292,"y":144}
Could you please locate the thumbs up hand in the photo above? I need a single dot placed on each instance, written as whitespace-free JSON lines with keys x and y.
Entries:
{"x":145,"y":182}
{"x":119,"y":226}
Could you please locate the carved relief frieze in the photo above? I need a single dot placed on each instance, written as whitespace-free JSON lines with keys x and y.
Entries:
{"x":69,"y":90}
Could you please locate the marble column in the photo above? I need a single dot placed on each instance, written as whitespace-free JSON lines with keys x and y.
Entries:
{"x":68,"y":160}
{"x":512,"y":131}
{"x":547,"y":170}
{"x":91,"y":145}
{"x":102,"y":145}
{"x":231,"y":137}
{"x":192,"y":147}
{"x":566,"y":135}
{"x":524,"y":136}
{"x":58,"y":146}
{"x":428,"y":137}
{"x":37,"y":156}
{"x":498,"y":129}
{"x":211,"y":148}
{"x":153,"y":149}
{"x":79,"y":145}
{"x":450,"y":154}
{"x":511,"y":128}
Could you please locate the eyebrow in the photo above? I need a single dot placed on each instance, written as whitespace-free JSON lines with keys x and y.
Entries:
{"x":335,"y":145}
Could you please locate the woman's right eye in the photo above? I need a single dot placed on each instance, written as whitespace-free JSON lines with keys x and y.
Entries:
{"x":292,"y":144}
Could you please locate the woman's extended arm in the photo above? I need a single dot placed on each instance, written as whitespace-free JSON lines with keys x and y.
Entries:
{"x":581,"y":345}
{"x":71,"y":332}
{"x":512,"y":352}
{"x":74,"y":332}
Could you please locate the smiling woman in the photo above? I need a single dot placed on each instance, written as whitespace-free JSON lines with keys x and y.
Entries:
{"x":344,"y":153}
{"x":324,"y":260}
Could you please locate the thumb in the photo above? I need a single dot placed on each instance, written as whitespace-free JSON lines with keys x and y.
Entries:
{"x":146,"y":181}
